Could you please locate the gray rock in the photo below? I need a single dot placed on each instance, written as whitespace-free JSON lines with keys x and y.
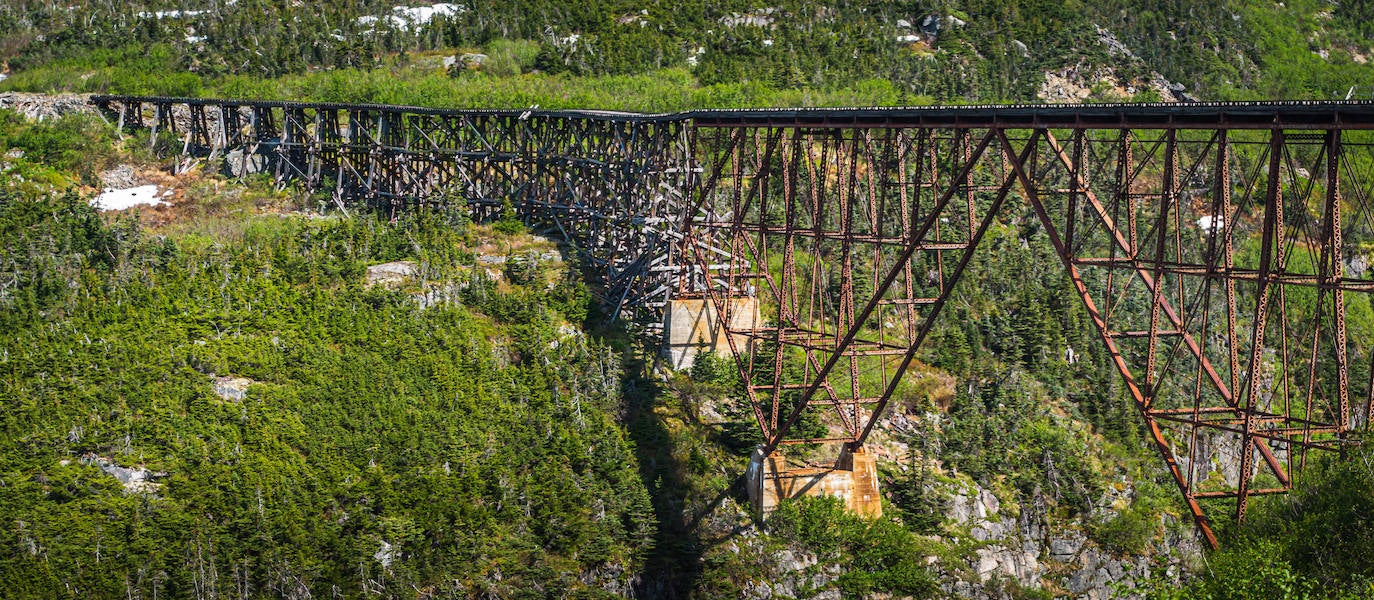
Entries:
{"x":391,"y":274}
{"x":930,"y":25}
{"x":234,"y":389}
{"x":134,"y":479}
{"x":988,"y":504}
{"x":1358,"y":265}
{"x":1063,"y":549}
{"x":120,"y":178}
{"x":385,"y":554}
{"x":960,"y":508}
{"x":238,"y":164}
{"x":41,"y":107}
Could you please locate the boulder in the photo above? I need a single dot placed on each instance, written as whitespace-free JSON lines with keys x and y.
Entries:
{"x":391,"y":274}
{"x":237,"y":163}
{"x":233,"y":389}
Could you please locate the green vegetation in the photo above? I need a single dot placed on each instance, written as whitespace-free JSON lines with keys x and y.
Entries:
{"x":874,"y":555}
{"x":389,"y":445}
{"x":37,"y":158}
{"x":658,"y":57}
{"x":380,"y":447}
{"x":1317,"y":542}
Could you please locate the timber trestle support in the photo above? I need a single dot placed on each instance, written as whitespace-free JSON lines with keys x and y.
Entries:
{"x":1221,"y":251}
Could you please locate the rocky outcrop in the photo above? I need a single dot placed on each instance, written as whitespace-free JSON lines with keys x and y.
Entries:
{"x":46,"y":106}
{"x":136,"y":480}
{"x":233,"y":389}
{"x":1088,"y":82}
{"x":392,"y":274}
{"x":1082,"y":82}
{"x":1022,"y":549}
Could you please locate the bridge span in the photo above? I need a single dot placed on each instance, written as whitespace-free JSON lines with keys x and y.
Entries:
{"x":1221,"y":250}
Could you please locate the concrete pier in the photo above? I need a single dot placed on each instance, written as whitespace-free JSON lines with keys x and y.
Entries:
{"x":693,"y":325}
{"x":853,"y":479}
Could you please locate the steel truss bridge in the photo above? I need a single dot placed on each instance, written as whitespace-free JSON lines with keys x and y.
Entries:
{"x":1221,"y":250}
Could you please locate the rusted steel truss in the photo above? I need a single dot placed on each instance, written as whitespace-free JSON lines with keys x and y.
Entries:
{"x":1213,"y":262}
{"x":1220,"y":250}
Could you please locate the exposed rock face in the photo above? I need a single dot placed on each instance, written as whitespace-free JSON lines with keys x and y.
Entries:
{"x":472,"y":60}
{"x":46,"y":106}
{"x":758,"y":18}
{"x":386,"y":554}
{"x":234,"y":389}
{"x":238,"y":164}
{"x":613,"y":579}
{"x":799,"y":574}
{"x":1014,"y":549}
{"x":1081,"y":82}
{"x":120,"y":177}
{"x":136,"y":480}
{"x":391,"y":274}
{"x":1025,"y":549}
{"x":1114,"y":45}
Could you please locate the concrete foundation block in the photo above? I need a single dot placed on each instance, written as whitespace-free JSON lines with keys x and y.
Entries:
{"x":853,"y":479}
{"x":693,"y":325}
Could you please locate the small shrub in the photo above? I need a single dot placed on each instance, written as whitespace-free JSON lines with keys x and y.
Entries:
{"x":510,"y":57}
{"x":510,"y":223}
{"x":1129,"y":532}
{"x":523,"y":269}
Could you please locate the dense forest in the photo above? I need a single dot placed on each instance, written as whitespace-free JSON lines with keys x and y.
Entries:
{"x":659,"y":56}
{"x":219,"y":398}
{"x":381,"y":446}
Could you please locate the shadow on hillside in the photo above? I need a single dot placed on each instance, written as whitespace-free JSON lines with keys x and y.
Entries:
{"x":674,"y":564}
{"x":673,"y":568}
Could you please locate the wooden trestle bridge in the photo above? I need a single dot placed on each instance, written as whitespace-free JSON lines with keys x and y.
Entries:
{"x":1222,"y":250}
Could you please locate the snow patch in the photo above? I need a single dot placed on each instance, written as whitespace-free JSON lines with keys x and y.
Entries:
{"x":424,"y":14}
{"x":170,"y":14}
{"x":113,"y":199}
{"x":405,"y":17}
{"x":1211,"y":222}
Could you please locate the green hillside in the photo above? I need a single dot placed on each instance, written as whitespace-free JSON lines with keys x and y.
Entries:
{"x":372,"y":443}
{"x":671,"y":55}
{"x":228,"y":397}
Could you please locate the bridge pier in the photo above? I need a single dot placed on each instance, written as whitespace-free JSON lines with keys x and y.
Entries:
{"x":692,"y":325}
{"x":853,"y":479}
